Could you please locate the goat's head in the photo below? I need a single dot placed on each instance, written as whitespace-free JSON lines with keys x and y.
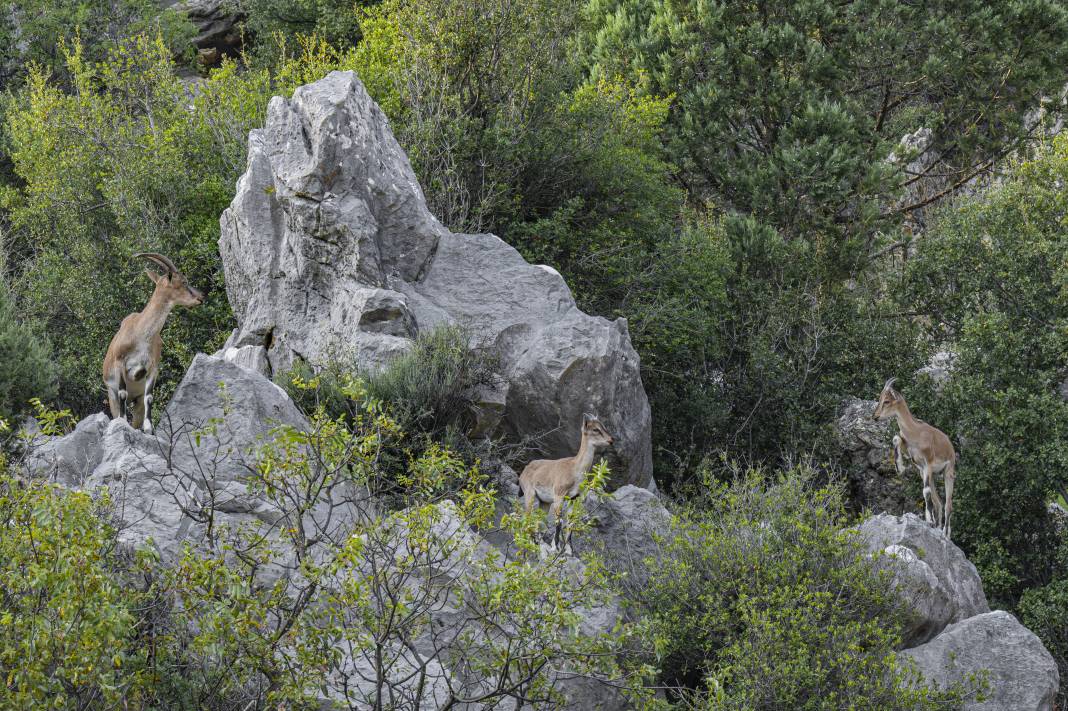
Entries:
{"x":594,"y":432}
{"x":174,"y":285}
{"x":889,"y":400}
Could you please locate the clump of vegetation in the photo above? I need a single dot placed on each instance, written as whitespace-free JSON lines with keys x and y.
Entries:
{"x":431,"y":389}
{"x":1043,"y":611}
{"x":67,"y":625}
{"x":763,"y":601}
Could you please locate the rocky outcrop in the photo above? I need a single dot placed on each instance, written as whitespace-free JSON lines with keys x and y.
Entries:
{"x":925,"y":597}
{"x":922,"y":551}
{"x":218,"y":27}
{"x":1020,"y":674}
{"x":939,"y":368}
{"x":867,"y":445}
{"x":954,"y":638}
{"x":330,"y":253}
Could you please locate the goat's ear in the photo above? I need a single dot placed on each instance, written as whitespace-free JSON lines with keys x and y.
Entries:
{"x":587,"y":418}
{"x":152,"y":275}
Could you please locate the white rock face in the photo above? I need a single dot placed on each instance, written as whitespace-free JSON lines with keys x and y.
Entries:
{"x":1021,"y":675}
{"x":330,"y":252}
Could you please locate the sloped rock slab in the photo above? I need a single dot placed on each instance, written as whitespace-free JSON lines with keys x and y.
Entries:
{"x":68,"y":460}
{"x":1020,"y":673}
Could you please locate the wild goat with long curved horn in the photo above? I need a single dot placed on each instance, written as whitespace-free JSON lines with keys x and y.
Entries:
{"x":928,"y":447}
{"x":132,"y":361}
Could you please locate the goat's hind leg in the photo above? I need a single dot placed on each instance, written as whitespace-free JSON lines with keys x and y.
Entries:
{"x":930,"y":493}
{"x":949,"y":473}
{"x":147,"y":419}
{"x":927,"y":491}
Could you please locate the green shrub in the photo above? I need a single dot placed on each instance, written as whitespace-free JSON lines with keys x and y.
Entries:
{"x":270,"y":25}
{"x":430,"y":388}
{"x":763,"y":601}
{"x":433,"y":385}
{"x":34,"y":31}
{"x":26,"y":366}
{"x":66,"y":622}
{"x":1043,"y":611}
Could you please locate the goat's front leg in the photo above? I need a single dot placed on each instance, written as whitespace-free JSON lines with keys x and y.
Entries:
{"x":556,"y":518}
{"x":899,"y":454}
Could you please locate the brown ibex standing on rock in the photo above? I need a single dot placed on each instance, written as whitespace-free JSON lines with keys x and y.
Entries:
{"x":556,"y":480}
{"x":132,"y":361}
{"x":927,"y":446}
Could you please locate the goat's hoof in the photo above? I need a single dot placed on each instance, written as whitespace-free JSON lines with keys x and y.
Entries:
{"x":147,"y":427}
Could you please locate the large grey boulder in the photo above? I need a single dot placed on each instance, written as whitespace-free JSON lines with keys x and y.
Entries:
{"x":219,"y":413}
{"x":920,"y":551}
{"x":187,"y":483}
{"x":1020,"y":673}
{"x":867,"y":445}
{"x":330,"y":252}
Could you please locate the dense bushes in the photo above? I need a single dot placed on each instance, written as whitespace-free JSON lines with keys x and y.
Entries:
{"x":432,"y":392}
{"x":66,"y":622}
{"x":762,"y":601}
{"x":785,"y":111}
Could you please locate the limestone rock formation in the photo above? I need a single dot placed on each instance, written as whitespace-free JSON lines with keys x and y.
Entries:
{"x":1021,"y":675}
{"x":923,"y":593}
{"x":330,"y":253}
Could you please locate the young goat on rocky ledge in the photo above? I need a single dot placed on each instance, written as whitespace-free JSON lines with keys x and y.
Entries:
{"x":555,"y":481}
{"x":132,"y":361}
{"x":927,"y":446}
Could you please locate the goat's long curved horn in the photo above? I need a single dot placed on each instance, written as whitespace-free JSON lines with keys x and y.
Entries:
{"x":160,"y":260}
{"x":889,"y":383}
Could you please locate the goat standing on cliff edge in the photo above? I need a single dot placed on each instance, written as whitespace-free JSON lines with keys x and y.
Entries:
{"x":556,"y":480}
{"x":132,"y":361}
{"x":927,"y":446}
